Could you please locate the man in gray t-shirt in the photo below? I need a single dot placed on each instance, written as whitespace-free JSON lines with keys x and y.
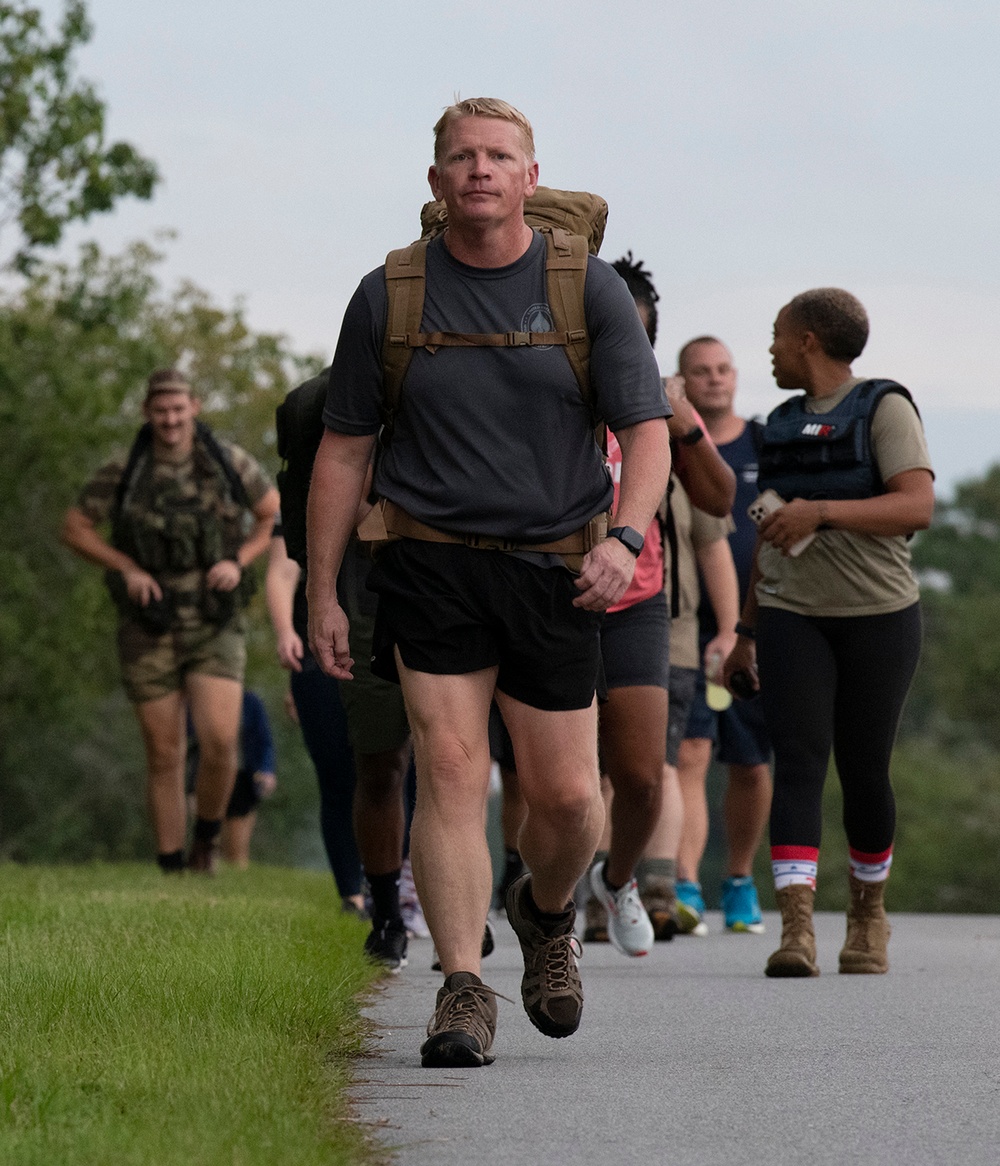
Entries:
{"x":497,"y":442}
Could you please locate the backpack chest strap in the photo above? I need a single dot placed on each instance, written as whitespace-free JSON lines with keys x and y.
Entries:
{"x":435,"y":340}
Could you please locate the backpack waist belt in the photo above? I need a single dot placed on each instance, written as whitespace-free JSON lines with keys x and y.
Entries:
{"x":396,"y":523}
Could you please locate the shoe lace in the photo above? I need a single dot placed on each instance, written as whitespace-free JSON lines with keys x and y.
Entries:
{"x":628,"y":905}
{"x":799,"y":918}
{"x":466,"y":1010}
{"x":557,"y":956}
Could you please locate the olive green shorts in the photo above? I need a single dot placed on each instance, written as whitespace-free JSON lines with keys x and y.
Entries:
{"x":155,"y":665}
{"x":376,"y":716}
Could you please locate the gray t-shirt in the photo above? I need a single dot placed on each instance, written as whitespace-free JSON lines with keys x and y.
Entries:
{"x":496,"y":441}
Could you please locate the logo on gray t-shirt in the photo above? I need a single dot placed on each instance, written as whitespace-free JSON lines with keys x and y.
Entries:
{"x":538,"y":318}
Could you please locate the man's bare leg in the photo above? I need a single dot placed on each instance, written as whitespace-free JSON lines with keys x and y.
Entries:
{"x":451,"y":860}
{"x":236,"y":834}
{"x":747,"y":806}
{"x":633,"y":728}
{"x":379,"y":816}
{"x":164,"y":736}
{"x":556,"y":755}
{"x":216,"y":705}
{"x":692,"y":770}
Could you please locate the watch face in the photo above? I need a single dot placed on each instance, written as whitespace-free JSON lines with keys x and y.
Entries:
{"x":629,"y":537}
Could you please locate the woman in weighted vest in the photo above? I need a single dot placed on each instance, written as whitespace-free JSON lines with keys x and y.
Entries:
{"x":832,"y":620}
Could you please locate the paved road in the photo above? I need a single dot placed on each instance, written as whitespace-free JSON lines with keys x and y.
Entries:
{"x":692,"y":1056}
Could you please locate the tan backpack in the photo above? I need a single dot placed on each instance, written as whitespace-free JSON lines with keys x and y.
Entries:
{"x":572,"y":223}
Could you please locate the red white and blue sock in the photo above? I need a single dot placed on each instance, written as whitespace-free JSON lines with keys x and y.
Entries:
{"x":794,"y":864}
{"x":870,"y":868}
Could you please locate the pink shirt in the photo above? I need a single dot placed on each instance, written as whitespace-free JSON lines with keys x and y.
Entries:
{"x":648,"y":577}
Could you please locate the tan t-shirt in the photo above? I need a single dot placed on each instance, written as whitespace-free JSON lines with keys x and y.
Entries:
{"x":843,"y":573}
{"x":695,"y":529}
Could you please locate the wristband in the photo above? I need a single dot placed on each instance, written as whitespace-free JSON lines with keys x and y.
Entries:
{"x":693,"y":436}
{"x":743,"y":629}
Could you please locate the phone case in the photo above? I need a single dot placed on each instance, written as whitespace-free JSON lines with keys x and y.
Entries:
{"x":765,"y":504}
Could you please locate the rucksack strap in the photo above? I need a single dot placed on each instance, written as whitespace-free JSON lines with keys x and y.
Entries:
{"x":566,"y":276}
{"x":406,"y":278}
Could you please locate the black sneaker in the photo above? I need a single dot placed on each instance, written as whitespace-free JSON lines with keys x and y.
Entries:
{"x":460,"y":1033}
{"x":550,"y":988}
{"x":489,"y":943}
{"x":386,"y":945}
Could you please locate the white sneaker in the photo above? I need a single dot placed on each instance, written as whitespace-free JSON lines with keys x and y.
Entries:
{"x":629,"y":928}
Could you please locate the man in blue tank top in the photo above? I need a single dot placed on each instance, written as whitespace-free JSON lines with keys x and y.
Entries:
{"x":737,"y":734}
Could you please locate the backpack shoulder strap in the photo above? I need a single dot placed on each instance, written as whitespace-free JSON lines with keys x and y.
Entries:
{"x":218,"y":454}
{"x":143,"y":441}
{"x":405,"y":281}
{"x":566,"y":277}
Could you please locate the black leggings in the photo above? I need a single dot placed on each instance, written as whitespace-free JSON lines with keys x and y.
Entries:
{"x":840,"y":683}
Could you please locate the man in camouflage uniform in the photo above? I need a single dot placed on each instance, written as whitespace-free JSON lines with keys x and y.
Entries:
{"x":188,"y":514}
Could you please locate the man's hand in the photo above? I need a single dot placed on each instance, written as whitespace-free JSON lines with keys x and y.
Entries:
{"x":290,"y":650}
{"x":225,"y":575}
{"x":743,"y":658}
{"x":606,"y":574}
{"x":684,"y":418}
{"x":141,"y":586}
{"x":328,"y":638}
{"x":717,"y":649}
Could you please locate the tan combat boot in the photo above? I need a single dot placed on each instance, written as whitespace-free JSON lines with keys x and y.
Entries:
{"x":797,"y":954}
{"x":865,"y":950}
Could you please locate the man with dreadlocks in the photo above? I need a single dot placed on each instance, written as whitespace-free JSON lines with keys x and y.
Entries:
{"x":636,"y":652}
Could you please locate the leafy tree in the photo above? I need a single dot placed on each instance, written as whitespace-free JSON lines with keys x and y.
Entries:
{"x":55,"y":166}
{"x":76,"y":345}
{"x":955,"y":696}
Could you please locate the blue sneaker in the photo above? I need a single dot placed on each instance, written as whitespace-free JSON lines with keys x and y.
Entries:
{"x":690,"y":909}
{"x":740,"y":906}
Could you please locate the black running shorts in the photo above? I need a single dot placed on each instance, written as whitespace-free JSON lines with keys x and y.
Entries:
{"x":635,"y":645}
{"x":451,"y":610}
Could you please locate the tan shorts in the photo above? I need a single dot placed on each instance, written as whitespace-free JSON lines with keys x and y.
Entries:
{"x":154,"y":665}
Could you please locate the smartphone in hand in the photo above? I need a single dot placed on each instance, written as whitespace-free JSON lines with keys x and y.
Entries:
{"x":767,"y":503}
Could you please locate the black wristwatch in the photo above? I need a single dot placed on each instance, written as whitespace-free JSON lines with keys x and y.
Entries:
{"x":630,"y":539}
{"x":693,"y":436}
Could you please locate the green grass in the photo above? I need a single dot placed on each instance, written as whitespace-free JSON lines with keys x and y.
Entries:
{"x":148,"y":1020}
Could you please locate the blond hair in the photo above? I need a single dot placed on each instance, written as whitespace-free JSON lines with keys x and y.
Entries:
{"x":483,"y":107}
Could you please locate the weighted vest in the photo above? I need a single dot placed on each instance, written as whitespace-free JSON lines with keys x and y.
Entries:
{"x":824,"y":455}
{"x":173,"y":527}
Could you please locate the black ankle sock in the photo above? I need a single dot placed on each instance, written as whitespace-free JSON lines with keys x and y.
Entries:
{"x":385,"y":897}
{"x":548,"y":918}
{"x":207,"y":829}
{"x":171,"y":861}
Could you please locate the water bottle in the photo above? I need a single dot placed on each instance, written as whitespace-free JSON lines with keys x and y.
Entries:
{"x":717,"y":697}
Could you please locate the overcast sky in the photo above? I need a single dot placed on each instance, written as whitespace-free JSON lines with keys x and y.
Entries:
{"x":749,"y":149}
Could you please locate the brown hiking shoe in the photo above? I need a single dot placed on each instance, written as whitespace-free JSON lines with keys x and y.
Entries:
{"x":660,"y":900}
{"x":460,"y":1033}
{"x":203,"y":855}
{"x":866,"y":950}
{"x":797,"y":954}
{"x":550,"y":988}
